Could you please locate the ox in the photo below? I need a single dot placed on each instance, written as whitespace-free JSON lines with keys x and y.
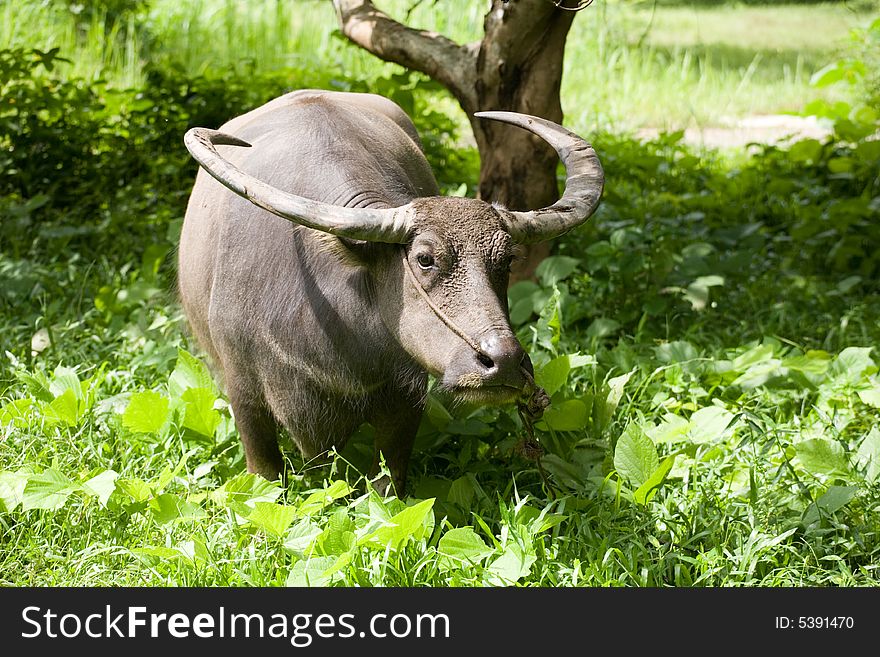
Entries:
{"x":326,"y":277}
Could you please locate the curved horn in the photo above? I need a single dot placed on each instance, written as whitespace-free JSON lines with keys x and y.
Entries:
{"x":374,"y":225}
{"x":583,"y":184}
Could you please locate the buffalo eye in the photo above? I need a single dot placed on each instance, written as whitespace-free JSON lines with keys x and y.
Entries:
{"x":425,"y":260}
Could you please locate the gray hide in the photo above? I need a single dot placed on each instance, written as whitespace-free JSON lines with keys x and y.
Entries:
{"x":318,"y":332}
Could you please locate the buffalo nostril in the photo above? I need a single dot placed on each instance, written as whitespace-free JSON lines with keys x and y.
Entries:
{"x":485,"y":361}
{"x":504,"y":361}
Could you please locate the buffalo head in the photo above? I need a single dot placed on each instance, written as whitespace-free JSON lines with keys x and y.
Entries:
{"x":439,"y":265}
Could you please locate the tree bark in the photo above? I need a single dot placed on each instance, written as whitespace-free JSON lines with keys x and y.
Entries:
{"x":516,"y":66}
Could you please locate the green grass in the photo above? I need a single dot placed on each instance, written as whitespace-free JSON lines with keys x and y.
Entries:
{"x":626,"y":67}
{"x":680,"y":67}
{"x":745,"y":374}
{"x":709,"y":340}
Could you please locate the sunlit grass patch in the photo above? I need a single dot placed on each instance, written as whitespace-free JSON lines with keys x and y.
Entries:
{"x":625,"y":67}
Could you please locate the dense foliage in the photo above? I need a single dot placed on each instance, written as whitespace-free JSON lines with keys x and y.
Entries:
{"x":708,"y":341}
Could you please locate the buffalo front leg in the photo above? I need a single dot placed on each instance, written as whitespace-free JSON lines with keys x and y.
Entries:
{"x":259,"y":435}
{"x":395,"y":434}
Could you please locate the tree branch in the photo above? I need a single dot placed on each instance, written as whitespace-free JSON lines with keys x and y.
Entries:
{"x":428,"y":52}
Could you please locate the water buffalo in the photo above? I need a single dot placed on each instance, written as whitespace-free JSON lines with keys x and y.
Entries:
{"x":326,"y":277}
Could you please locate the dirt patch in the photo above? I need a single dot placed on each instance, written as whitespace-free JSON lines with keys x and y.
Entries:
{"x":739,"y":133}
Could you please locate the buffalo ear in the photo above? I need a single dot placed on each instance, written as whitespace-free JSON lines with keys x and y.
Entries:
{"x":351,"y":252}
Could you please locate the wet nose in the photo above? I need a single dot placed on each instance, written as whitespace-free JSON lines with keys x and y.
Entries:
{"x":502,"y":360}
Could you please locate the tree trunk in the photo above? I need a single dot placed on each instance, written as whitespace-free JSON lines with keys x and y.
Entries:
{"x":519,"y":68}
{"x":516,"y":66}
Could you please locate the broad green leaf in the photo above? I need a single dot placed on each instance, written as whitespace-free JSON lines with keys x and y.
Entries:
{"x":165,"y":508}
{"x":615,"y":390}
{"x":554,"y":269}
{"x":525,"y":298}
{"x":187,"y":553}
{"x":199,"y":414}
{"x":813,"y":364}
{"x":849,"y":70}
{"x":565,"y":471}
{"x":64,"y":379}
{"x":676,"y":352}
{"x":538,"y":520}
{"x":194,"y":551}
{"x":549,"y":327}
{"x":379,"y":513}
{"x":272,"y":518}
{"x":827,"y":75}
{"x":301,"y":536}
{"x":315,"y":571}
{"x":852,"y":364}
{"x":604,"y":402}
{"x":463,"y":543}
{"x":836,"y":497}
{"x":868,"y":456}
{"x":821,"y":456}
{"x":546,"y":521}
{"x":436,"y":413}
{"x":146,"y":412}
{"x":189,"y":373}
{"x":338,"y":536}
{"x":554,"y":374}
{"x":137,"y":489}
{"x":47,"y":490}
{"x":752,"y":357}
{"x":64,"y":409}
{"x":243,"y":491}
{"x":578,"y":359}
{"x":521,"y":290}
{"x":870,"y":394}
{"x":601,"y":327}
{"x":842,"y":165}
{"x":412,"y":522}
{"x":697,"y":293}
{"x":203,"y":469}
{"x":512,"y":565}
{"x":635,"y":457}
{"x":709,"y":424}
{"x":432,"y":487}
{"x":569,"y":415}
{"x":461,"y":492}
{"x":159,"y":552}
{"x":102,"y":485}
{"x":647,"y":490}
{"x":672,"y":429}
{"x":38,"y":384}
{"x":16,"y":412}
{"x":319,"y":499}
{"x":189,"y":511}
{"x":868,"y":151}
{"x":521,"y":311}
{"x":12,"y":486}
{"x":865,"y":115}
{"x":806,"y":150}
{"x":336,"y":542}
{"x":759,"y":374}
{"x":469,"y":427}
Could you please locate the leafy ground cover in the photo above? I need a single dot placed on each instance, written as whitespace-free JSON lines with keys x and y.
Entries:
{"x":709,"y":341}
{"x":628,"y":64}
